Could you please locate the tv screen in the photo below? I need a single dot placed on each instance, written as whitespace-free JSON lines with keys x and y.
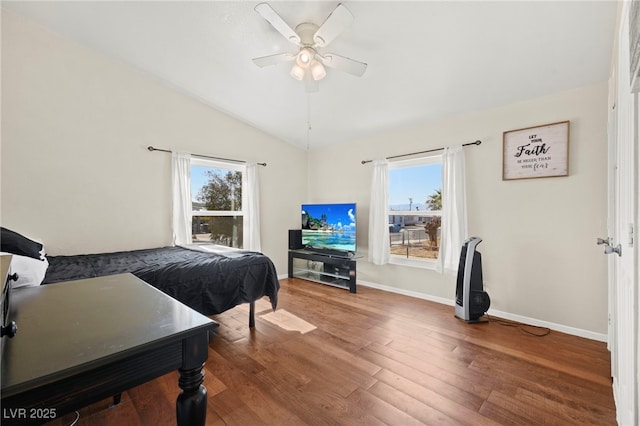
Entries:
{"x":329,"y":226}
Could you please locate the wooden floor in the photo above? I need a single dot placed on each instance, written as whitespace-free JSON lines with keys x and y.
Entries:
{"x":379,"y":358}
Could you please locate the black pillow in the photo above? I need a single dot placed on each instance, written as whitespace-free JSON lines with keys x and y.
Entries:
{"x":12,"y":242}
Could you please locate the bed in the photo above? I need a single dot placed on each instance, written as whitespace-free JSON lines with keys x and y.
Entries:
{"x":210,"y":279}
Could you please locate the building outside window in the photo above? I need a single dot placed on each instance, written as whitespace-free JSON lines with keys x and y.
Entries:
{"x":415,"y":210}
{"x":217,"y":208}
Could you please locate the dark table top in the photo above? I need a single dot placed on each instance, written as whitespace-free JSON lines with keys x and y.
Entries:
{"x":71,"y":327}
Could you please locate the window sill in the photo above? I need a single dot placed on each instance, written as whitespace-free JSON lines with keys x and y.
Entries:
{"x":414,"y":263}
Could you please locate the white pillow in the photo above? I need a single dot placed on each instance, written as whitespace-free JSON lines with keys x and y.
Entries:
{"x":30,"y":271}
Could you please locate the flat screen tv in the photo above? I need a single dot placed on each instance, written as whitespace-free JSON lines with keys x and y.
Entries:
{"x":329,"y":226}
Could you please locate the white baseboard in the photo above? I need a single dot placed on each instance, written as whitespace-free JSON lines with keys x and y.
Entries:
{"x":551,"y":325}
{"x":417,"y":295}
{"x":504,"y":315}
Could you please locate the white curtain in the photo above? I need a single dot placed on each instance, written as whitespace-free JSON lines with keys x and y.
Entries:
{"x":251,"y":223}
{"x":181,"y":199}
{"x":378,"y":214}
{"x":453,"y":230}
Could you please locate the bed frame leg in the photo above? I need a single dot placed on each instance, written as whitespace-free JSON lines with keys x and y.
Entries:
{"x":116,"y":399}
{"x":252,"y":315}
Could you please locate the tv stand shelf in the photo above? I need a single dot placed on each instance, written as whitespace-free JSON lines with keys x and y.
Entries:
{"x":329,"y":269}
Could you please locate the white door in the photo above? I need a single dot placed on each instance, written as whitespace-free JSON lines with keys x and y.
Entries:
{"x":623,"y":292}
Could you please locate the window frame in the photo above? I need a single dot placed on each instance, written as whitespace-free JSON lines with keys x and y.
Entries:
{"x":225,"y":165}
{"x":415,"y":262}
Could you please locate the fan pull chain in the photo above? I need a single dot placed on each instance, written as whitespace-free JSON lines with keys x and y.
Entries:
{"x":308,"y":121}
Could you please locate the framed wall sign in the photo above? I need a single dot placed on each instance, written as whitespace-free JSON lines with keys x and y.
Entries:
{"x":535,"y":152}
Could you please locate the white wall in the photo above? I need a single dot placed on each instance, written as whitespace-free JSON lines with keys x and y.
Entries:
{"x":75,"y":169}
{"x":540,"y":260}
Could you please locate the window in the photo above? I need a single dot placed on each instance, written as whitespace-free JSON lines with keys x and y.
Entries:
{"x":217,"y":202}
{"x":415,"y":210}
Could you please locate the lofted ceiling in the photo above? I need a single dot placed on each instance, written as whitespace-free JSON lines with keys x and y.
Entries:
{"x":427,"y":60}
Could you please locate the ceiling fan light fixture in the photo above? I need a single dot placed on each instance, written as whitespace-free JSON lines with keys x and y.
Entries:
{"x":304,"y":58}
{"x":297,"y":72}
{"x":317,"y":71}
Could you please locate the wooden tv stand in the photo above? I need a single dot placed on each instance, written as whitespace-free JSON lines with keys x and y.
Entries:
{"x":330,"y":269}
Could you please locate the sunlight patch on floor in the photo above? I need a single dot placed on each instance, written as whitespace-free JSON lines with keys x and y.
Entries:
{"x":261,"y":306}
{"x":288,"y":321}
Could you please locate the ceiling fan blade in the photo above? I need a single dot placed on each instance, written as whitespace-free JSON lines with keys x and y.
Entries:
{"x":277,"y":22}
{"x":342,"y":63}
{"x":265,"y":61}
{"x":335,"y":23}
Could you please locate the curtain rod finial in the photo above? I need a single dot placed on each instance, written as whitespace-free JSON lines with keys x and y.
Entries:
{"x":150,"y":148}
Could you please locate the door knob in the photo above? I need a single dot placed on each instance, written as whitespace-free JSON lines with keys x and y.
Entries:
{"x":607,"y":246}
{"x":617,"y":249}
{"x":9,"y":330}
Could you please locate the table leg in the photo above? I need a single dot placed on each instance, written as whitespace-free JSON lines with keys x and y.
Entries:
{"x":191,"y":406}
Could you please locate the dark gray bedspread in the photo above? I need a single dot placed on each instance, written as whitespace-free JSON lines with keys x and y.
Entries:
{"x":210,"y":283}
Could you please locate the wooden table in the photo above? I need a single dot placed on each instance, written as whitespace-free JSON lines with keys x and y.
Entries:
{"x":82,"y":341}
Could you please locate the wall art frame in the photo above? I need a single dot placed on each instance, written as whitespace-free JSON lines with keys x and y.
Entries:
{"x":536,"y":152}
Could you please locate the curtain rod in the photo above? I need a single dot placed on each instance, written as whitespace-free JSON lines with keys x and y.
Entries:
{"x":478,"y":142}
{"x":150,"y":148}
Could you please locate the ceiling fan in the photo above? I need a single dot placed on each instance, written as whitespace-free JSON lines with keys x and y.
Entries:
{"x":309,"y":62}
